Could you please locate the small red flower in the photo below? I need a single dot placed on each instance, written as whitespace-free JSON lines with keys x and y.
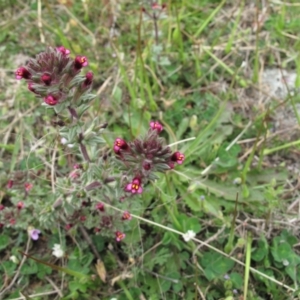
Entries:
{"x":126,"y":216}
{"x":120,"y":144}
{"x":77,"y":167}
{"x":22,"y":73}
{"x":31,"y":88}
{"x":120,"y":236}
{"x":80,"y":62}
{"x":106,"y":221}
{"x":97,"y":229}
{"x":46,"y":78}
{"x":146,"y":166}
{"x":10,"y":184}
{"x":156,"y":126}
{"x":12,"y":221}
{"x":88,"y":79}
{"x":171,"y":164}
{"x":178,"y":157}
{"x":50,"y":100}
{"x":74,"y":174}
{"x":28,"y":186}
{"x":1,"y":225}
{"x":155,"y":5}
{"x":68,"y":226}
{"x":135,"y":186}
{"x":100,"y":206}
{"x":20,"y":205}
{"x":2,"y":207}
{"x":83,"y":218}
{"x":84,"y":203}
{"x":63,"y":50}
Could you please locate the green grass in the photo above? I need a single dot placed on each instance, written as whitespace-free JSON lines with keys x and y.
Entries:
{"x":234,"y":190}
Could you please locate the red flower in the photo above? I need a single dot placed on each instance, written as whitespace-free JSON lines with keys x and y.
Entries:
{"x":10,"y":183}
{"x":88,"y":79}
{"x":46,"y":78}
{"x":31,"y":88}
{"x":2,"y":207}
{"x":80,"y":62}
{"x":20,"y":205}
{"x":120,"y":236}
{"x":100,"y":206}
{"x":28,"y":186}
{"x":12,"y":221}
{"x":82,"y":218}
{"x":77,"y":167}
{"x":74,"y":174}
{"x":68,"y":226}
{"x":22,"y":73}
{"x":171,"y":164}
{"x":156,"y":6}
{"x":177,"y":157}
{"x":135,"y":186}
{"x":84,"y":203}
{"x":156,"y":126}
{"x":126,"y":216}
{"x":120,"y":144}
{"x":50,"y":100}
{"x":63,"y":50}
{"x":1,"y":225}
{"x":146,"y":166}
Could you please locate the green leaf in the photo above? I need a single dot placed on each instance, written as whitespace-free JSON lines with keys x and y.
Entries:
{"x":236,"y":279}
{"x":173,"y":239}
{"x":265,"y":176}
{"x":261,"y":251}
{"x":4,"y":241}
{"x":192,"y":200}
{"x":117,"y":94}
{"x":98,"y":241}
{"x":270,"y":284}
{"x":8,"y":267}
{"x":215,"y":265}
{"x":165,"y":285}
{"x":29,"y":268}
{"x":182,"y":127}
{"x":188,"y":223}
{"x":43,"y":271}
{"x":289,"y":238}
{"x":292,"y":272}
{"x":221,"y":189}
{"x":281,"y":251}
{"x":76,"y":285}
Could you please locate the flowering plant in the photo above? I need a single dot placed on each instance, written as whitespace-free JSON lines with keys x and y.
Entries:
{"x":56,"y":78}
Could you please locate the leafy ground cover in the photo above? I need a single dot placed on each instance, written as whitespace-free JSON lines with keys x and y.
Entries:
{"x":222,"y":79}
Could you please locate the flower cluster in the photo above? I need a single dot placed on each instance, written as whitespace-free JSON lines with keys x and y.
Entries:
{"x":53,"y":74}
{"x":145,"y":156}
{"x":156,"y":10}
{"x":9,"y":215}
